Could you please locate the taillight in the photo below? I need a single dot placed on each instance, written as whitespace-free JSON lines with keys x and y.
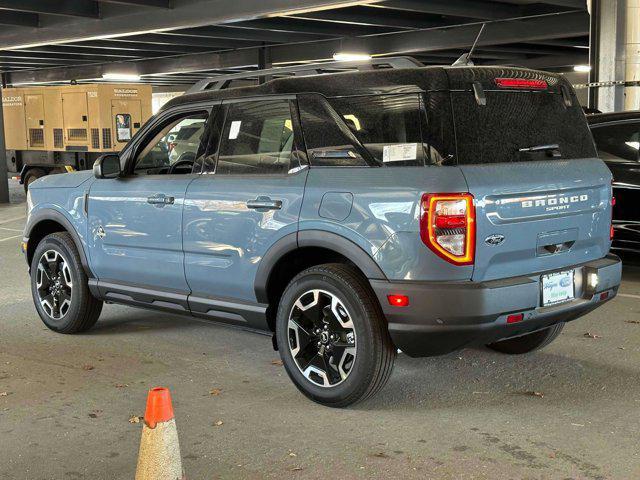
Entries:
{"x":448,"y":226}
{"x":523,"y":83}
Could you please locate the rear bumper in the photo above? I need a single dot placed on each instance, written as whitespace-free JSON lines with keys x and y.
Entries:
{"x":443,"y":317}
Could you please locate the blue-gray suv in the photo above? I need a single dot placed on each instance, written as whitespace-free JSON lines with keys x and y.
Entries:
{"x":350,"y":214}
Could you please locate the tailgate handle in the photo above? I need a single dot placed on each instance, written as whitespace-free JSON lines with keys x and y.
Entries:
{"x":554,"y":248}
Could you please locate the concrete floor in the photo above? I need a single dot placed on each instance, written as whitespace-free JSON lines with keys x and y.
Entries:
{"x":463,"y":416}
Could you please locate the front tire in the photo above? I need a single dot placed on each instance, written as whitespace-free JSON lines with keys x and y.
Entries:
{"x":59,"y":286}
{"x":528,"y":343}
{"x":332,"y":336}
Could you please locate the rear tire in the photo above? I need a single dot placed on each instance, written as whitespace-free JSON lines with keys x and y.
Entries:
{"x":59,"y":286}
{"x":332,"y":336}
{"x":31,"y":176}
{"x":528,"y":343}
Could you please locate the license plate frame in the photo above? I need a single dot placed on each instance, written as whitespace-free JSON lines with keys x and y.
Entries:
{"x":557,"y":287}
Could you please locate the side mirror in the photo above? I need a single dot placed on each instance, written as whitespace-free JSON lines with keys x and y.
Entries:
{"x":107,"y":166}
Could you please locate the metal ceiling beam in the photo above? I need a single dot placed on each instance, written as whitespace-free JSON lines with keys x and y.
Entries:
{"x":124,"y":45}
{"x":529,"y":49}
{"x":177,"y":64}
{"x":555,"y":61}
{"x":72,"y":8}
{"x":42,"y":53}
{"x":19,"y":19}
{"x":171,"y":38}
{"x":581,"y":42}
{"x":144,"y":3}
{"x":299,"y":25}
{"x":577,"y":4}
{"x":418,"y":41}
{"x":459,"y":8}
{"x":194,"y":13}
{"x":46,"y":60}
{"x":251,"y":34}
{"x":389,"y":18}
{"x":65,"y":51}
{"x":496,"y":33}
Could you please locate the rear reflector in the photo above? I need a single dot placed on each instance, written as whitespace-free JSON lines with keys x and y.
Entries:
{"x":611,"y":230}
{"x":522,"y":83}
{"x":447,"y":226}
{"x":398,"y":300}
{"x":515,"y":318}
{"x":604,"y":296}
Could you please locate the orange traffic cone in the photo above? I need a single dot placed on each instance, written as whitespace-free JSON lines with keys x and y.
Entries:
{"x":159,"y":456}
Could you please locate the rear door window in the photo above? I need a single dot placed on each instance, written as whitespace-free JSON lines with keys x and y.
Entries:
{"x":391,"y":130}
{"x":257,"y":138}
{"x":388,"y":126}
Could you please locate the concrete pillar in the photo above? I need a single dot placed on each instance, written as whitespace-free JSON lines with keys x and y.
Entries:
{"x":617,"y":42}
{"x":632,"y":47}
{"x":4,"y":178}
{"x":611,"y":26}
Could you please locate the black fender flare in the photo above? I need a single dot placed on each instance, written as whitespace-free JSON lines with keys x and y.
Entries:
{"x":55,"y":216}
{"x":313,"y":238}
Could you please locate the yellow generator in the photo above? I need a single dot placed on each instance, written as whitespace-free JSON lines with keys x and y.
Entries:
{"x":60,"y":128}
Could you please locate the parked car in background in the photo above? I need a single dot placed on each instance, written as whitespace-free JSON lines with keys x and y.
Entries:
{"x":349,"y":215}
{"x":617,"y":137}
{"x":184,"y":146}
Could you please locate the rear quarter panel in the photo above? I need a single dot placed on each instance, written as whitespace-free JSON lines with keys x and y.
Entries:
{"x":383,"y":218}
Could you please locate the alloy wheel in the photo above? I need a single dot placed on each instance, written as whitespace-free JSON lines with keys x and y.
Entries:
{"x":54,"y":284}
{"x":322,"y":338}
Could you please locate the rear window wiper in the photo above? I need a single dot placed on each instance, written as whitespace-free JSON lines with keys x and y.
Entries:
{"x":552,"y":150}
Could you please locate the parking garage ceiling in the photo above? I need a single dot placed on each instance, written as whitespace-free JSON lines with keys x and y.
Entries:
{"x":178,"y":42}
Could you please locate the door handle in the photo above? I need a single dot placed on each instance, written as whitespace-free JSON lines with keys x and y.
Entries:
{"x":160,"y":199}
{"x":264,"y":203}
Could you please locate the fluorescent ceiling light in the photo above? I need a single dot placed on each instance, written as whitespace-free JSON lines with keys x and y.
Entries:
{"x":351,"y":57}
{"x":582,"y":68}
{"x":126,"y":77}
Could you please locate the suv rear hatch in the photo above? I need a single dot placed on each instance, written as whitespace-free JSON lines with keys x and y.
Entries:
{"x":543,"y":199}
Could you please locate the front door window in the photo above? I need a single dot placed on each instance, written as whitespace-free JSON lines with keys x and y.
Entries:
{"x":174,"y":148}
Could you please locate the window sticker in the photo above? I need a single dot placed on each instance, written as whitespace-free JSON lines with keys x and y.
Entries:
{"x":123,"y":127}
{"x":400,"y":152}
{"x":234,"y":131}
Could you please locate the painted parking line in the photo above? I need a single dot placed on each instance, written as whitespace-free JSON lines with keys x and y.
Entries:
{"x":9,"y":220}
{"x":629,"y":295}
{"x":10,"y":229}
{"x":10,"y":238}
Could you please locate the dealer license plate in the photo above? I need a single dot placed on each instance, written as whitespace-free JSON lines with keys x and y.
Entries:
{"x":557,"y":288}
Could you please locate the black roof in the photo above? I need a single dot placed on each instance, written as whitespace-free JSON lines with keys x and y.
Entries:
{"x":597,"y":118}
{"x":334,"y":84}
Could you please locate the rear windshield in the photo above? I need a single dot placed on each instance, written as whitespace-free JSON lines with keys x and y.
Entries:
{"x":518,"y":126}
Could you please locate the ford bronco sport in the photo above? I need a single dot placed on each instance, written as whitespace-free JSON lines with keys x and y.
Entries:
{"x":351,"y":214}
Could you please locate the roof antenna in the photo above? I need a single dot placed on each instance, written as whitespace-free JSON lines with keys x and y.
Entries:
{"x":465,"y":58}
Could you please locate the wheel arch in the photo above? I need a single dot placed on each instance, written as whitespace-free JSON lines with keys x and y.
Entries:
{"x":48,"y":221}
{"x":297,"y":251}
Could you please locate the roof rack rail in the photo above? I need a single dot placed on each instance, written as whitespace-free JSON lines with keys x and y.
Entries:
{"x":223,"y":81}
